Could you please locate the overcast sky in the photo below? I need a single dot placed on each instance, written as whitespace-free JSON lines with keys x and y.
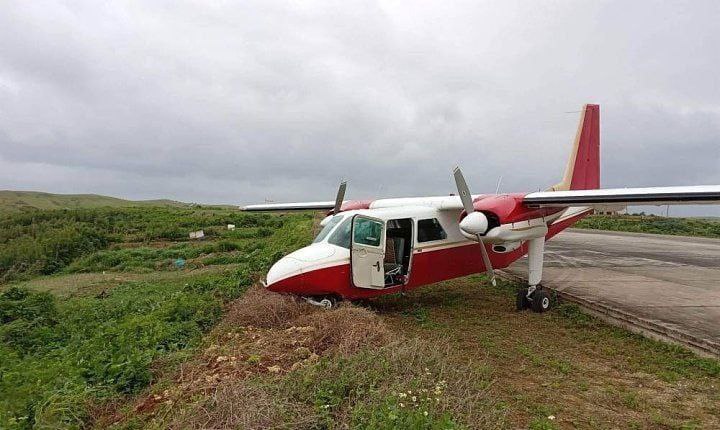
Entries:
{"x":236,"y":102}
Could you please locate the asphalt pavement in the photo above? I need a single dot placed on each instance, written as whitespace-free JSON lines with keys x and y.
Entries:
{"x":671,"y":282}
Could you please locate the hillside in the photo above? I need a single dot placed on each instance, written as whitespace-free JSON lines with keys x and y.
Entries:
{"x":19,"y":201}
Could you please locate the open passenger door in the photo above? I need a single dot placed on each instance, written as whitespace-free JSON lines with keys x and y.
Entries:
{"x":368,"y":252}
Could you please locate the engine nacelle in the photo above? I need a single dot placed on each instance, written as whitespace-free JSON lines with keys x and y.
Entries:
{"x":474,"y":224}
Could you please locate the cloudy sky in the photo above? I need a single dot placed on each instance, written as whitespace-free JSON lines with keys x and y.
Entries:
{"x":236,"y":102}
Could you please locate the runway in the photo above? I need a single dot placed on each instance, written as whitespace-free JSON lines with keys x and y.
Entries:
{"x":664,"y":286}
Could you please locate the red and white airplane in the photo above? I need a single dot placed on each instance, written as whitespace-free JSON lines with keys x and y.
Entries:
{"x":367,"y":248}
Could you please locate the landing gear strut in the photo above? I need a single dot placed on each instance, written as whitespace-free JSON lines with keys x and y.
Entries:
{"x":533,"y":297}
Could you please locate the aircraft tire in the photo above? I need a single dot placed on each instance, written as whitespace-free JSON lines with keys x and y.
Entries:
{"x":541,"y":301}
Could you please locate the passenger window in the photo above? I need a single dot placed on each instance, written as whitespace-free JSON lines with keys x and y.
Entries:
{"x":429,"y":230}
{"x":367,"y":232}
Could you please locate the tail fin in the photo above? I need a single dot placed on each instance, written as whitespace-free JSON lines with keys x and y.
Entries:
{"x":583,"y":169}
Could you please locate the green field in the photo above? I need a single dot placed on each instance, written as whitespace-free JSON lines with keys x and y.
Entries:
{"x":113,"y":318}
{"x":92,"y":298}
{"x":700,"y":227}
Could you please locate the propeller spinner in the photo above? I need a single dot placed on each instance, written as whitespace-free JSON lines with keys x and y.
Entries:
{"x":474,"y":224}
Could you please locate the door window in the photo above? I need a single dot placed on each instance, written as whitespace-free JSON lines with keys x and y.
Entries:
{"x":367,"y":232}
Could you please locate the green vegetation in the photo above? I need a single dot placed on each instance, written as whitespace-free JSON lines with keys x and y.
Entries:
{"x":47,"y":242}
{"x":101,"y":326}
{"x":704,"y":227}
{"x":58,"y":352}
{"x":27,"y":201}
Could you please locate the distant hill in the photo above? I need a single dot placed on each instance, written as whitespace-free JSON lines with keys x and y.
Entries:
{"x":19,"y":201}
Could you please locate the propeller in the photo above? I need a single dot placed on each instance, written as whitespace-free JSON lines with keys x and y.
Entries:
{"x":474,"y":223}
{"x":340,"y":196}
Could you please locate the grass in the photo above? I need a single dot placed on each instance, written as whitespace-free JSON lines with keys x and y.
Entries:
{"x":453,"y":355}
{"x":701,"y":227}
{"x":92,"y":322}
{"x":118,"y":336}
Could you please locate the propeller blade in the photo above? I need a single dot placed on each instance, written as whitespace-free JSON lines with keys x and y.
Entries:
{"x":340,"y":196}
{"x":463,"y":190}
{"x":486,"y":260}
{"x":466,"y":198}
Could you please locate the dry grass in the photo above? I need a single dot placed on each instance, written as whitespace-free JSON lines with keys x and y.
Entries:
{"x":263,"y":334}
{"x":346,"y":331}
{"x":258,"y":308}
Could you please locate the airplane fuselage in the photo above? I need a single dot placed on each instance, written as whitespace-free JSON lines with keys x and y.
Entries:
{"x":332,"y":266}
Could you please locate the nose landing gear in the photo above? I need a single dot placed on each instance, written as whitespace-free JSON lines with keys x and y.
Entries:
{"x":533,"y":297}
{"x":325,"y":302}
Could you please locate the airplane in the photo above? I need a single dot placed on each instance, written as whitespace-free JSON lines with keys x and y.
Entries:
{"x":368,"y":248}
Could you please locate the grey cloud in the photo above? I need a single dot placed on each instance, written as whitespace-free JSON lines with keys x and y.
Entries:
{"x":237,"y":102}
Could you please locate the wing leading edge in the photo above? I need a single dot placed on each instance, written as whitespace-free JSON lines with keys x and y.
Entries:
{"x":700,"y":194}
{"x":300,"y":206}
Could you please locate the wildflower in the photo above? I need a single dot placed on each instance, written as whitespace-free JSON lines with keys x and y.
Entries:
{"x":425,"y":413}
{"x":414,"y":399}
{"x":551,"y":417}
{"x":402,"y":395}
{"x":402,"y":405}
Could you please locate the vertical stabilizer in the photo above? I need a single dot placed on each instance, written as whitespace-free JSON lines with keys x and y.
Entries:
{"x":583,"y":169}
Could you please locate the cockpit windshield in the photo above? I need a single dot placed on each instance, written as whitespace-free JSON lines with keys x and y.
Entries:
{"x":328,"y":228}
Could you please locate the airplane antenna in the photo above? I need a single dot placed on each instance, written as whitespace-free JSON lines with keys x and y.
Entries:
{"x":497,"y":188}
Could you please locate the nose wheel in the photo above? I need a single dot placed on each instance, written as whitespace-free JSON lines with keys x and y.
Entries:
{"x":534,"y":297}
{"x":325,"y":302}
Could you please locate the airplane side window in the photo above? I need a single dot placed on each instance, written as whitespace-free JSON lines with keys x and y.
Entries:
{"x":341,"y":235}
{"x":367,"y":232}
{"x":429,"y":230}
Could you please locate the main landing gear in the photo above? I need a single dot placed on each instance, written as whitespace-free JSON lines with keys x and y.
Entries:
{"x":536,"y":298}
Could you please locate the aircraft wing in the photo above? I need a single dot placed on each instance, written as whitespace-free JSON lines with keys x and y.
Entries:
{"x":268,"y":207}
{"x":653,"y":196}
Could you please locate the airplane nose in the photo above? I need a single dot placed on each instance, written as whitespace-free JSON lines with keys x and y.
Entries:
{"x":286,"y":267}
{"x":286,"y":275}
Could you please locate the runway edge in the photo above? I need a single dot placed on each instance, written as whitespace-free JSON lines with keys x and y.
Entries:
{"x":619,"y":318}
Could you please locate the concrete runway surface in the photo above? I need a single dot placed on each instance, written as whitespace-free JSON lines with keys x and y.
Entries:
{"x":669,"y":282}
